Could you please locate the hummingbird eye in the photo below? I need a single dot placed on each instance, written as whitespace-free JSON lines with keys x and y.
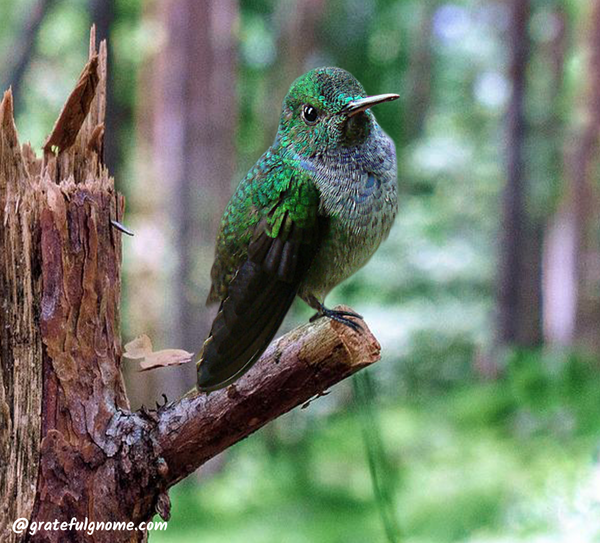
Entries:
{"x":310,"y":114}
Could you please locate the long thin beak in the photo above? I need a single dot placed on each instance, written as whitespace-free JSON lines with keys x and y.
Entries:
{"x":356,"y":106}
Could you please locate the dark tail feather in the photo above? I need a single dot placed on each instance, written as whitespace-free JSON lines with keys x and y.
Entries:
{"x":258,"y":298}
{"x":237,"y":340}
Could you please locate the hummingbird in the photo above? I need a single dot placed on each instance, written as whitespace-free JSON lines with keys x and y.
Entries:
{"x":312,"y":211}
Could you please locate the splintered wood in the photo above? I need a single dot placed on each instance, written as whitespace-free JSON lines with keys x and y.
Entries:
{"x":59,"y":311}
{"x":75,"y":146}
{"x":20,"y":337}
{"x":70,"y":120}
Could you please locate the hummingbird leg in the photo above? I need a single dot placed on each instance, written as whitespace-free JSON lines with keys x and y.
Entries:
{"x":336,"y":315}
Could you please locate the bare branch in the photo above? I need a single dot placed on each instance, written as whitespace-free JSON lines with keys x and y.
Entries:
{"x":300,"y":365}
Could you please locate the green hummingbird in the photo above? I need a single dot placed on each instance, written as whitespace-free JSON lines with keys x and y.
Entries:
{"x":312,"y":211}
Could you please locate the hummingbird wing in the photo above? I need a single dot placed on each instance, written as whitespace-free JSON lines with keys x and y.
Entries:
{"x":265,"y":276}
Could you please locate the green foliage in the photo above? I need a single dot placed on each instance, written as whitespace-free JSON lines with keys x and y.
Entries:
{"x":473,"y":454}
{"x":469,"y":458}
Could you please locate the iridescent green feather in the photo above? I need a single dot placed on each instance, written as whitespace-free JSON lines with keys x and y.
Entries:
{"x":311,"y":211}
{"x":274,"y":189}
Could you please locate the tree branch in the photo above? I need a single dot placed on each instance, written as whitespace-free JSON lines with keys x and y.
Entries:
{"x":298,"y":366}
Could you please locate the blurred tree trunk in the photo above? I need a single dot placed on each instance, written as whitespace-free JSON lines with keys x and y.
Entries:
{"x":195,"y":149}
{"x":24,"y":48}
{"x":582,"y":213}
{"x":298,"y":37}
{"x":519,"y":275}
{"x":298,"y":44}
{"x":420,"y":73}
{"x":146,"y":276}
{"x":559,"y":284}
{"x":146,"y":214}
{"x":103,"y":13}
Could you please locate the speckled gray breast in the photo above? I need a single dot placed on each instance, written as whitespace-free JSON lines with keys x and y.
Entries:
{"x":359,"y":198}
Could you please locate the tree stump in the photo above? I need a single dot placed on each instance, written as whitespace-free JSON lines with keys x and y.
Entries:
{"x":70,"y":447}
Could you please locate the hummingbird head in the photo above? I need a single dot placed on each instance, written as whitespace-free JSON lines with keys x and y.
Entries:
{"x":325,"y":112}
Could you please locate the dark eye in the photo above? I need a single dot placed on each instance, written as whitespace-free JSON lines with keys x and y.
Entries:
{"x":310,"y":114}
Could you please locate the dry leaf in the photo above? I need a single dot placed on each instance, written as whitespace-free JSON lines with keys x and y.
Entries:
{"x":141,"y":349}
{"x":167,"y":357}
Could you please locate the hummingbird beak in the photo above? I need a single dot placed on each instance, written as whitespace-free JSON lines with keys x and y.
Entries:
{"x":356,"y":106}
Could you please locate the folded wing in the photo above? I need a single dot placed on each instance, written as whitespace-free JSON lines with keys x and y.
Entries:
{"x":260,"y":293}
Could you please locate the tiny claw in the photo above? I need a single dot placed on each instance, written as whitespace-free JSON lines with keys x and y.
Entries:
{"x":347,"y":313}
{"x":350,"y":323}
{"x":121,"y":228}
{"x":149,"y":414}
{"x":339,"y":316}
{"x":166,"y":401}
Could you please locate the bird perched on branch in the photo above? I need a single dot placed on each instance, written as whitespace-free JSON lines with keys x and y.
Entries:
{"x":312,"y":211}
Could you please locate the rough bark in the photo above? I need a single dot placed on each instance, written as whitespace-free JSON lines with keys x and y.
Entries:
{"x":70,"y":445}
{"x":20,"y":336}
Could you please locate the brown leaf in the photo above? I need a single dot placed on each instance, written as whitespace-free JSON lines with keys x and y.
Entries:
{"x":166,"y":357}
{"x":140,"y":347}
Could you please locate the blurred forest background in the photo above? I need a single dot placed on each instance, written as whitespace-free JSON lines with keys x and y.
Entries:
{"x":486,"y":297}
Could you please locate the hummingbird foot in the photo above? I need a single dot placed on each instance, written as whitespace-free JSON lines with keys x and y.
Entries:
{"x":338,"y":316}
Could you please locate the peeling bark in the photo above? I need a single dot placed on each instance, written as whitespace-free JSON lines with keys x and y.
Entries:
{"x":70,"y":447}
